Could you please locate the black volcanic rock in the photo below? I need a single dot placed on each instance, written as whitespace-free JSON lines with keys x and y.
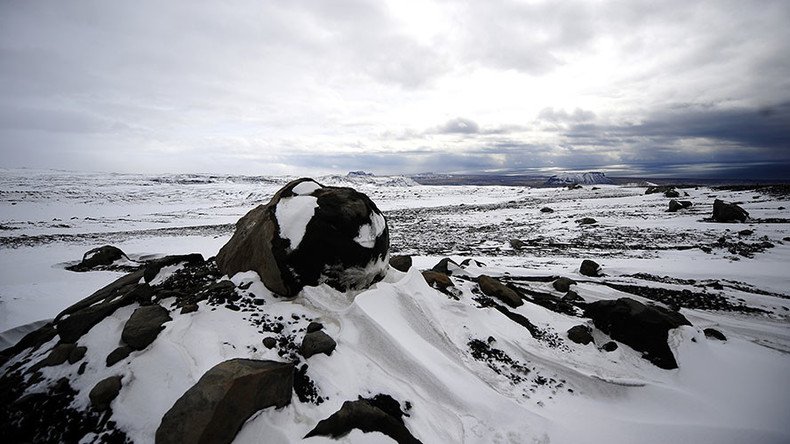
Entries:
{"x":102,"y":256}
{"x":437,"y":280}
{"x":728,"y":212}
{"x":563,"y":284}
{"x":345,"y":241}
{"x":446,"y":266}
{"x":586,"y":221}
{"x":401,"y":263}
{"x":714,"y":334}
{"x":675,"y":205}
{"x":580,"y":334}
{"x":494,"y":288}
{"x":379,"y":414}
{"x":644,"y":328}
{"x":317,"y":342}
{"x":214,"y":409}
{"x":144,"y":326}
{"x":102,"y":394}
{"x":590,"y":268}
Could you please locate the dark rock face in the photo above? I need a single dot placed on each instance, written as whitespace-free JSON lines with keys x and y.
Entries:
{"x":317,"y":342}
{"x":712,"y":333}
{"x":644,"y":328}
{"x":446,"y":266}
{"x":675,"y":205}
{"x":580,"y":334}
{"x":590,"y":268}
{"x":77,"y":354}
{"x":379,"y":414}
{"x":494,"y":288}
{"x":609,"y":346}
{"x":437,"y":280}
{"x":728,"y":212}
{"x":401,"y":263}
{"x":99,"y":257}
{"x":563,"y":284}
{"x":102,"y":394}
{"x":144,"y":325}
{"x":117,"y":355}
{"x":214,"y":409}
{"x":345,"y":241}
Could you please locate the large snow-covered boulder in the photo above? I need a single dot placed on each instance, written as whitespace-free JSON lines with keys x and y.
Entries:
{"x":310,"y":234}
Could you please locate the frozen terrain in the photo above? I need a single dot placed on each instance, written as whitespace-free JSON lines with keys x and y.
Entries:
{"x":468,"y":372}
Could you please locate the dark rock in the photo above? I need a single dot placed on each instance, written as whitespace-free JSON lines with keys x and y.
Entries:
{"x":317,"y":342}
{"x":144,"y":326}
{"x":437,"y":280}
{"x":214,"y":409}
{"x":102,"y":394}
{"x":345,"y":242}
{"x":314,"y":326}
{"x":59,"y":354}
{"x":745,"y":233}
{"x":81,"y":370}
{"x":563,"y":284}
{"x":469,"y":261}
{"x":189,"y":308}
{"x":446,"y":266}
{"x":517,"y":244}
{"x":98,"y":257}
{"x":77,"y":354}
{"x":34,"y":339}
{"x":714,"y":334}
{"x":590,"y":268}
{"x":609,"y":346}
{"x":367,"y":415}
{"x":572,"y":296}
{"x":586,"y":221}
{"x":671,"y":193}
{"x":269,"y":342}
{"x":728,"y":212}
{"x":401,"y":263}
{"x":494,"y":288}
{"x":546,"y":210}
{"x":659,"y":189}
{"x":152,"y":268}
{"x":119,"y":354}
{"x":675,"y":205}
{"x":643,"y":328}
{"x":580,"y":334}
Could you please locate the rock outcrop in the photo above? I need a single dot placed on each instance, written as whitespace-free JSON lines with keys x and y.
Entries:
{"x":214,"y":409}
{"x":144,"y":325}
{"x":310,"y":234}
{"x":644,"y":328}
{"x":99,"y":257}
{"x":590,"y":268}
{"x":494,"y":288}
{"x":728,"y":212}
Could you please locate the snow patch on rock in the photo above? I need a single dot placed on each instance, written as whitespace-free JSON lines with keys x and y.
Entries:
{"x":293,"y":214}
{"x":369,"y":232}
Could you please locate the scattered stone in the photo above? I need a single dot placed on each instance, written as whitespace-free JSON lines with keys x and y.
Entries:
{"x":590,"y":268}
{"x":144,"y":326}
{"x":517,"y":244}
{"x":314,"y":326}
{"x":317,"y":342}
{"x":546,"y":210}
{"x":659,"y":189}
{"x":102,"y":394}
{"x":446,"y":266}
{"x":117,"y":355}
{"x":572,"y":296}
{"x":77,"y":353}
{"x":728,"y":212}
{"x":99,"y":257}
{"x":675,"y":205}
{"x":492,"y":287}
{"x":644,"y":328}
{"x":269,"y":342}
{"x":609,"y":346}
{"x":437,"y":280}
{"x":214,"y":409}
{"x":712,"y":333}
{"x":671,"y":193}
{"x":401,"y":263}
{"x":563,"y":284}
{"x":344,"y":242}
{"x":580,"y":334}
{"x":379,"y":414}
{"x":586,"y":221}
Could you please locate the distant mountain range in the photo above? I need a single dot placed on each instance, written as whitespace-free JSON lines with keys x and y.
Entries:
{"x":590,"y":178}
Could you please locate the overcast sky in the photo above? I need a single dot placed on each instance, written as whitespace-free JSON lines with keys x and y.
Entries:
{"x":671,"y":87}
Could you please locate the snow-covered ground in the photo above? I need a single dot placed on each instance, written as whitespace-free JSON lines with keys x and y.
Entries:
{"x":406,"y":339}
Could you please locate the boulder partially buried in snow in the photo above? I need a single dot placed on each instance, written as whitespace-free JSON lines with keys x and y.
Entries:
{"x":310,"y":234}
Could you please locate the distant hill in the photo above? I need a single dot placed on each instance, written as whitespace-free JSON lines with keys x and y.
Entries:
{"x":590,"y":178}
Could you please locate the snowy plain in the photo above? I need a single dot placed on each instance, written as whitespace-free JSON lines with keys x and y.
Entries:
{"x":406,"y":339}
